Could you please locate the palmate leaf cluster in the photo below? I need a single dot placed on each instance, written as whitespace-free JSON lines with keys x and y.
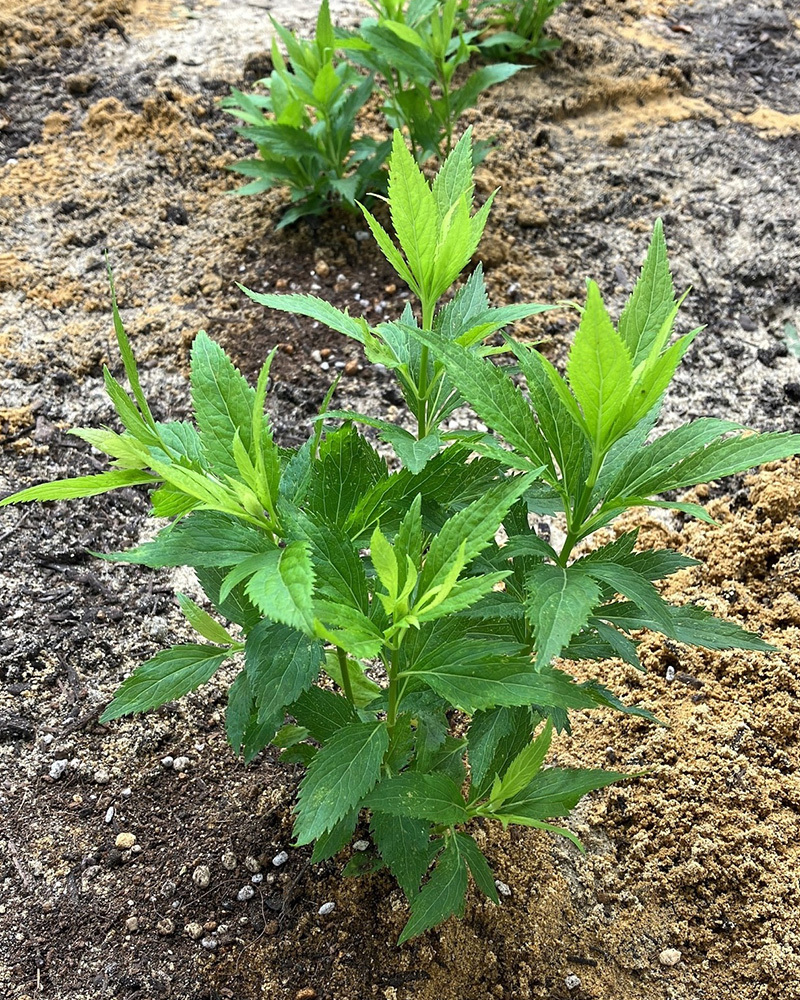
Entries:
{"x":380,"y":634}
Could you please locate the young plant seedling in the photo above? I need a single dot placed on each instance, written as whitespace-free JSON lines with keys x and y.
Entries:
{"x":521,"y":28}
{"x":304,"y":127}
{"x":368,"y":608}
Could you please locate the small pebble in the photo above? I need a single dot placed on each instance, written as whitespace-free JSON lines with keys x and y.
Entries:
{"x":57,"y":769}
{"x":229,"y":860}
{"x":326,"y":908}
{"x":181,"y":764}
{"x":194,"y":930}
{"x":109,"y":814}
{"x":166,"y":926}
{"x":132,"y":924}
{"x":257,"y":878}
{"x":572,"y":982}
{"x":252,"y":864}
{"x":102,"y":777}
{"x":209,"y":943}
{"x":126,"y":793}
{"x":125,"y":841}
{"x":351,"y":367}
{"x":361,"y":235}
{"x":361,"y":845}
{"x":280,"y":859}
{"x":201,"y":876}
{"x":245,"y":893}
{"x":322,"y":268}
{"x":167,"y":761}
{"x":502,"y":888}
{"x":307,"y":993}
{"x":316,"y":356}
{"x":670,"y":674}
{"x":669,"y":957}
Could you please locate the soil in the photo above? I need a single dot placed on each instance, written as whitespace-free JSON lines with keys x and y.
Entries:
{"x":111,"y":139}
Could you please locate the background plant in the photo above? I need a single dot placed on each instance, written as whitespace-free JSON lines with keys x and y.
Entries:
{"x":304,"y":126}
{"x":367,"y":608}
{"x":417,"y":51}
{"x":521,"y":27}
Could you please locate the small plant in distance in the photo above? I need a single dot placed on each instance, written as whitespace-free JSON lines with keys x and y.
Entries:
{"x":384,"y":638}
{"x":304,"y":127}
{"x":416,"y":50}
{"x":521,"y":28}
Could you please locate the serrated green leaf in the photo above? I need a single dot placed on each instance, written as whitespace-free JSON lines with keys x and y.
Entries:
{"x":599,"y":368}
{"x":323,"y":713}
{"x":558,"y":604}
{"x":494,"y":739}
{"x":690,"y":624}
{"x":413,"y":210}
{"x":239,"y":710}
{"x":80,"y":486}
{"x":555,"y":791}
{"x":442,"y":896}
{"x":281,"y":585}
{"x":478,"y":866}
{"x":281,"y":663}
{"x":348,"y":466}
{"x":170,"y":674}
{"x":346,"y":768}
{"x":523,"y":768}
{"x":651,"y":302}
{"x":629,"y":583}
{"x":335,"y":839}
{"x":419,"y":796}
{"x":223,"y":403}
{"x":202,"y":622}
{"x":314,"y":308}
{"x":404,"y":844}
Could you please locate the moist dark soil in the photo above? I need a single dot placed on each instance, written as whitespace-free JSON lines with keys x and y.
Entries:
{"x":111,"y":139}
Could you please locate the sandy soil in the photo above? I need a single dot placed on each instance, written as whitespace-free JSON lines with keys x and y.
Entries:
{"x":111,"y":139}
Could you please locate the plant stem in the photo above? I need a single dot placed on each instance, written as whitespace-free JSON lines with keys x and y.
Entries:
{"x":578,"y":519}
{"x":346,"y":685}
{"x":391,"y":714}
{"x":422,"y":416}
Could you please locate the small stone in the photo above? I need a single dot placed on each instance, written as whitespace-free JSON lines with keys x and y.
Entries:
{"x":257,"y":878}
{"x":271,"y":928}
{"x":126,"y":793}
{"x":252,"y":864}
{"x":361,"y":235}
{"x":245,"y":893}
{"x":57,"y":769}
{"x":670,"y":673}
{"x":102,"y":777}
{"x":617,"y":139}
{"x":209,"y":943}
{"x":194,"y":930}
{"x":229,"y":860}
{"x":326,"y":909}
{"x":532,"y":218}
{"x":307,"y":993}
{"x":166,"y":926}
{"x":351,"y":367}
{"x":322,"y":268}
{"x":280,"y":859}
{"x":167,"y":762}
{"x":390,"y":289}
{"x":325,"y":352}
{"x":109,"y":814}
{"x":316,"y":356}
{"x":132,"y":924}
{"x":181,"y":764}
{"x":669,"y":957}
{"x":361,"y":845}
{"x":281,"y":283}
{"x":502,"y":888}
{"x":572,"y":982}
{"x":79,"y":84}
{"x":125,"y":841}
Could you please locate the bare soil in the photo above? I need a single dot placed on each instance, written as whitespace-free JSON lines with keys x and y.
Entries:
{"x":110,"y":138}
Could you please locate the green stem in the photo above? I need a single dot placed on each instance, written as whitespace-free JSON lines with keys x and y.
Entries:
{"x":346,"y":685}
{"x":577,"y":521}
{"x":394,"y":683}
{"x":422,"y":415}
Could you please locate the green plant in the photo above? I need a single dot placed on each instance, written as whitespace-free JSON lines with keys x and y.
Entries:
{"x":304,"y":127}
{"x":417,"y":51}
{"x":521,"y":24}
{"x":411,"y":651}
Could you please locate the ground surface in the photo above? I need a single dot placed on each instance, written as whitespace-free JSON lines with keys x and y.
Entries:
{"x":110,"y":138}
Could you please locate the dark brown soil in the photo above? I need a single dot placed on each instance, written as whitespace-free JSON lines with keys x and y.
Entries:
{"x":112,"y":139}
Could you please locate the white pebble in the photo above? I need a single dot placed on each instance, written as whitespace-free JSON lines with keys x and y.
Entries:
{"x":257,"y":878}
{"x":245,"y":893}
{"x":47,"y":739}
{"x":572,"y":982}
{"x":326,"y":908}
{"x":181,"y":764}
{"x":209,"y":943}
{"x":201,"y":876}
{"x":167,"y":761}
{"x":102,"y":777}
{"x":669,"y":957}
{"x":57,"y":769}
{"x":361,"y":845}
{"x":670,"y":674}
{"x":109,"y":814}
{"x":126,"y":793}
{"x":280,"y":859}
{"x":229,"y":860}
{"x":194,"y":930}
{"x":252,"y":864}
{"x":502,"y":888}
{"x":316,"y":356}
